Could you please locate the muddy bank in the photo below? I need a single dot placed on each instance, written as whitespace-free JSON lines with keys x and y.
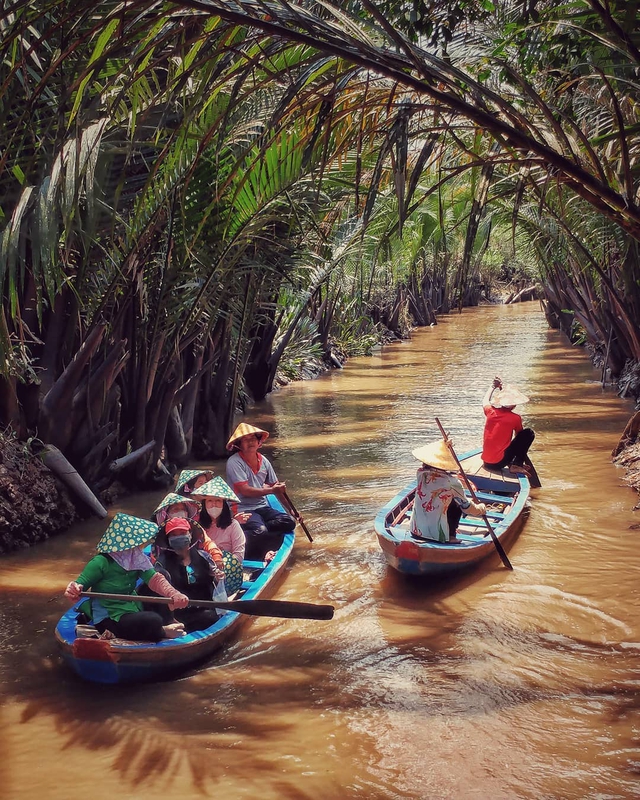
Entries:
{"x":33,"y":504}
{"x":627,"y":454}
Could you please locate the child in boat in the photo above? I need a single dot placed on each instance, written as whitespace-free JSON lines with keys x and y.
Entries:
{"x":499,"y":449}
{"x":252,"y":478}
{"x":179,"y":554}
{"x":116,"y":569}
{"x":440,"y":498}
{"x":221,"y":528}
{"x":173,"y":506}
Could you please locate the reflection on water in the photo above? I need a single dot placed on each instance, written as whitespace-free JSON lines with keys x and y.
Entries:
{"x":500,"y":684}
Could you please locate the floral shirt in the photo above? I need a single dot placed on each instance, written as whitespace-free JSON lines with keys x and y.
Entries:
{"x":435,"y":492}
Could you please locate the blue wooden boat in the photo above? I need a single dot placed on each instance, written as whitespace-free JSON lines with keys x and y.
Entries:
{"x":505,"y":495}
{"x":122,"y":661}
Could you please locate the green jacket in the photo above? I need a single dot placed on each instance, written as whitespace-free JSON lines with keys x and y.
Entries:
{"x":103,"y":574}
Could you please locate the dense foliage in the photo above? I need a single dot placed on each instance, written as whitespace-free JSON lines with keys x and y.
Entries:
{"x":194,"y":193}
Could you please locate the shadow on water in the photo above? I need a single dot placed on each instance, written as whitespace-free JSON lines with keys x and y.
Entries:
{"x":148,"y":730}
{"x":143,"y":728}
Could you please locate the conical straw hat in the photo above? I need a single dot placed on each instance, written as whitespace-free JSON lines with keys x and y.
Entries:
{"x":508,"y":396}
{"x":126,"y":532}
{"x":216,"y":487}
{"x":244,"y":430}
{"x":187,"y":475}
{"x":436,"y":455}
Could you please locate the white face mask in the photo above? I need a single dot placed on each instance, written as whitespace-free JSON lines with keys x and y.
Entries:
{"x":177,"y":513}
{"x":214,"y":511}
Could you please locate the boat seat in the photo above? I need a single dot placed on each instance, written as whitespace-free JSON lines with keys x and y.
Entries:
{"x":466,"y":537}
{"x":494,"y":498}
{"x":476,"y":522}
{"x":86,"y":631}
{"x":495,"y":515}
{"x":253,"y":564}
{"x":401,"y":532}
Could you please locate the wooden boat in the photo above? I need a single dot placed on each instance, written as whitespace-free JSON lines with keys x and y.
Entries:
{"x":122,"y":661}
{"x":505,"y":495}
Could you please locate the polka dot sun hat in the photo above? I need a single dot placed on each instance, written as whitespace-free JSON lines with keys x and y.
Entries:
{"x":126,"y":532}
{"x":217,"y":488}
{"x":188,"y":475}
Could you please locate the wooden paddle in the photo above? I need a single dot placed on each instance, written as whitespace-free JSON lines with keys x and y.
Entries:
{"x":257,"y":608}
{"x":534,"y":480}
{"x":297,"y":516}
{"x":496,"y":542}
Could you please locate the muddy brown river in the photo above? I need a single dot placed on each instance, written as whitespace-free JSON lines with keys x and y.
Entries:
{"x":522,"y":684}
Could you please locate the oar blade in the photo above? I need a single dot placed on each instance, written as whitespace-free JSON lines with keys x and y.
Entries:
{"x":278,"y":608}
{"x":498,"y":545}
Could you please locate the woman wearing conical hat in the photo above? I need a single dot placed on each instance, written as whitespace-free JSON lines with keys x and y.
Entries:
{"x":505,"y":442}
{"x":120,"y":563}
{"x":252,"y":478}
{"x":440,"y":498}
{"x":221,"y":528}
{"x":190,"y":479}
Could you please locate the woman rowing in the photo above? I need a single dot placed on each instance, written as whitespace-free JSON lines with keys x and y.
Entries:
{"x":252,"y":478}
{"x":117,"y":568}
{"x":440,"y":497}
{"x":506,"y":442}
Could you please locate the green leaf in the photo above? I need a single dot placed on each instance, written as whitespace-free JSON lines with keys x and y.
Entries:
{"x":19,"y":174}
{"x":98,"y":50}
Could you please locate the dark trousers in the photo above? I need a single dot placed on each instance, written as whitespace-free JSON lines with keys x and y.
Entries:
{"x":193,"y":618}
{"x":139,"y":626}
{"x":265,"y":531}
{"x":454,"y":512}
{"x":516,"y":452}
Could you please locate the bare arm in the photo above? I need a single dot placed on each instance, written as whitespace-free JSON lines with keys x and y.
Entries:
{"x":258,"y":491}
{"x":497,"y":384}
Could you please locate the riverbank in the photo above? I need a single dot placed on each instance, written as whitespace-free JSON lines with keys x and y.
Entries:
{"x":627,"y":454}
{"x":34,"y":505}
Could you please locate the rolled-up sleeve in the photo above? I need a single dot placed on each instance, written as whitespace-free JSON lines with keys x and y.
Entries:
{"x":237,"y":472}
{"x":458,"y":494}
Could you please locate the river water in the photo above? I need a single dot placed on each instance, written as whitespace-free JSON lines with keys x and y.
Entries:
{"x":522,"y":684}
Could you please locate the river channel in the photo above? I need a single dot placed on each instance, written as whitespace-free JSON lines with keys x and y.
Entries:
{"x":522,"y":684}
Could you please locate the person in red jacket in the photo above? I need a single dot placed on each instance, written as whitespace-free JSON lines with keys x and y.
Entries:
{"x":506,"y":442}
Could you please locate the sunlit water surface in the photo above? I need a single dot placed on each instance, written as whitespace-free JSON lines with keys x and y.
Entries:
{"x":522,"y":684}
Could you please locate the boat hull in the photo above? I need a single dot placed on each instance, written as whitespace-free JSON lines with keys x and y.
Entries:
{"x":411,"y":556}
{"x":119,"y":661}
